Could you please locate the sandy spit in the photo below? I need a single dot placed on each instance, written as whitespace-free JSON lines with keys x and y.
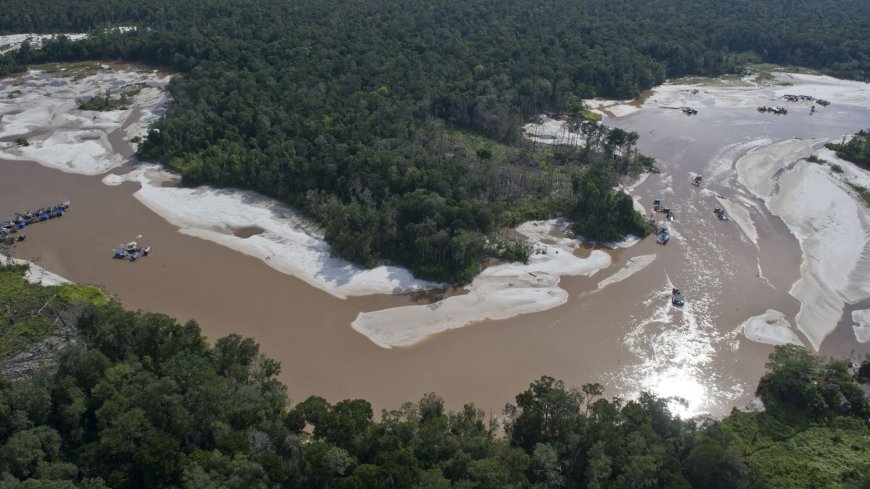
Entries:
{"x":35,"y":274}
{"x":288,"y":243}
{"x":634,"y":265}
{"x":499,"y":292}
{"x":740,"y":215}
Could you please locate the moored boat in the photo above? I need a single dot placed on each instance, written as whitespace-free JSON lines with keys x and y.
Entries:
{"x":677,"y":298}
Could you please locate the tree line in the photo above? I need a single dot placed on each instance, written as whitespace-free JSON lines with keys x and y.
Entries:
{"x":141,"y":401}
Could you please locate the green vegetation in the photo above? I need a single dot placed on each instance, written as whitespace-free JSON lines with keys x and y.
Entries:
{"x":857,"y":150}
{"x":28,"y":312}
{"x":140,"y":401}
{"x":22,"y":141}
{"x":107,"y":101}
{"x":863,"y":192}
{"x":815,"y":431}
{"x":588,"y":115}
{"x":46,"y":67}
{"x":817,"y":160}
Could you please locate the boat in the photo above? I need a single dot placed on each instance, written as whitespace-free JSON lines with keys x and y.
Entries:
{"x":663,"y":238}
{"x":677,"y":298}
{"x":669,"y":214}
{"x":131,"y":251}
{"x":721,"y":213}
{"x":657,"y":205}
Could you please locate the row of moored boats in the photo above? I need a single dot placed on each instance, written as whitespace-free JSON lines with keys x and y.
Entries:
{"x":11,"y":230}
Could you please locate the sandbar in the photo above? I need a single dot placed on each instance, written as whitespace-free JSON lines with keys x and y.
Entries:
{"x":499,"y":292}
{"x":771,"y":327}
{"x":832,"y":227}
{"x":862,"y":325}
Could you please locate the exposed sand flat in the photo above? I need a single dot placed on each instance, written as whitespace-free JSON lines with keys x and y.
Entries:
{"x":491,"y":297}
{"x":87,"y":152}
{"x":629,"y":241}
{"x":35,"y":274}
{"x":552,"y":131}
{"x":12,"y":42}
{"x":825,"y":87}
{"x":288,"y":243}
{"x":757,"y":169}
{"x":832,"y":227}
{"x":752,"y":91}
{"x":44,"y":110}
{"x":740,"y":215}
{"x":616,"y":108}
{"x":862,"y":325}
{"x":634,"y":265}
{"x":771,"y":327}
{"x":499,"y":292}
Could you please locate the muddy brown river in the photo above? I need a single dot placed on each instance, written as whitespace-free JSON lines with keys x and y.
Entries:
{"x":625,"y":336}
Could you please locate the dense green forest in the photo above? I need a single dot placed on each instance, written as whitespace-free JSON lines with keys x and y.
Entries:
{"x":357,"y":112}
{"x":140,"y":401}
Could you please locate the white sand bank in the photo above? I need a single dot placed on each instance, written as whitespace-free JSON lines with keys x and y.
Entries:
{"x":832,"y":227}
{"x":488,"y":298}
{"x":752,"y":91}
{"x":740,"y":215}
{"x":634,"y":265}
{"x":616,"y":108}
{"x":499,"y":292}
{"x":862,"y":325}
{"x":85,"y":152}
{"x":287,"y":243}
{"x":35,"y":274}
{"x":771,"y":327}
{"x":629,"y":241}
{"x":835,"y":90}
{"x":12,"y":42}
{"x":44,"y":110}
{"x":547,"y":130}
